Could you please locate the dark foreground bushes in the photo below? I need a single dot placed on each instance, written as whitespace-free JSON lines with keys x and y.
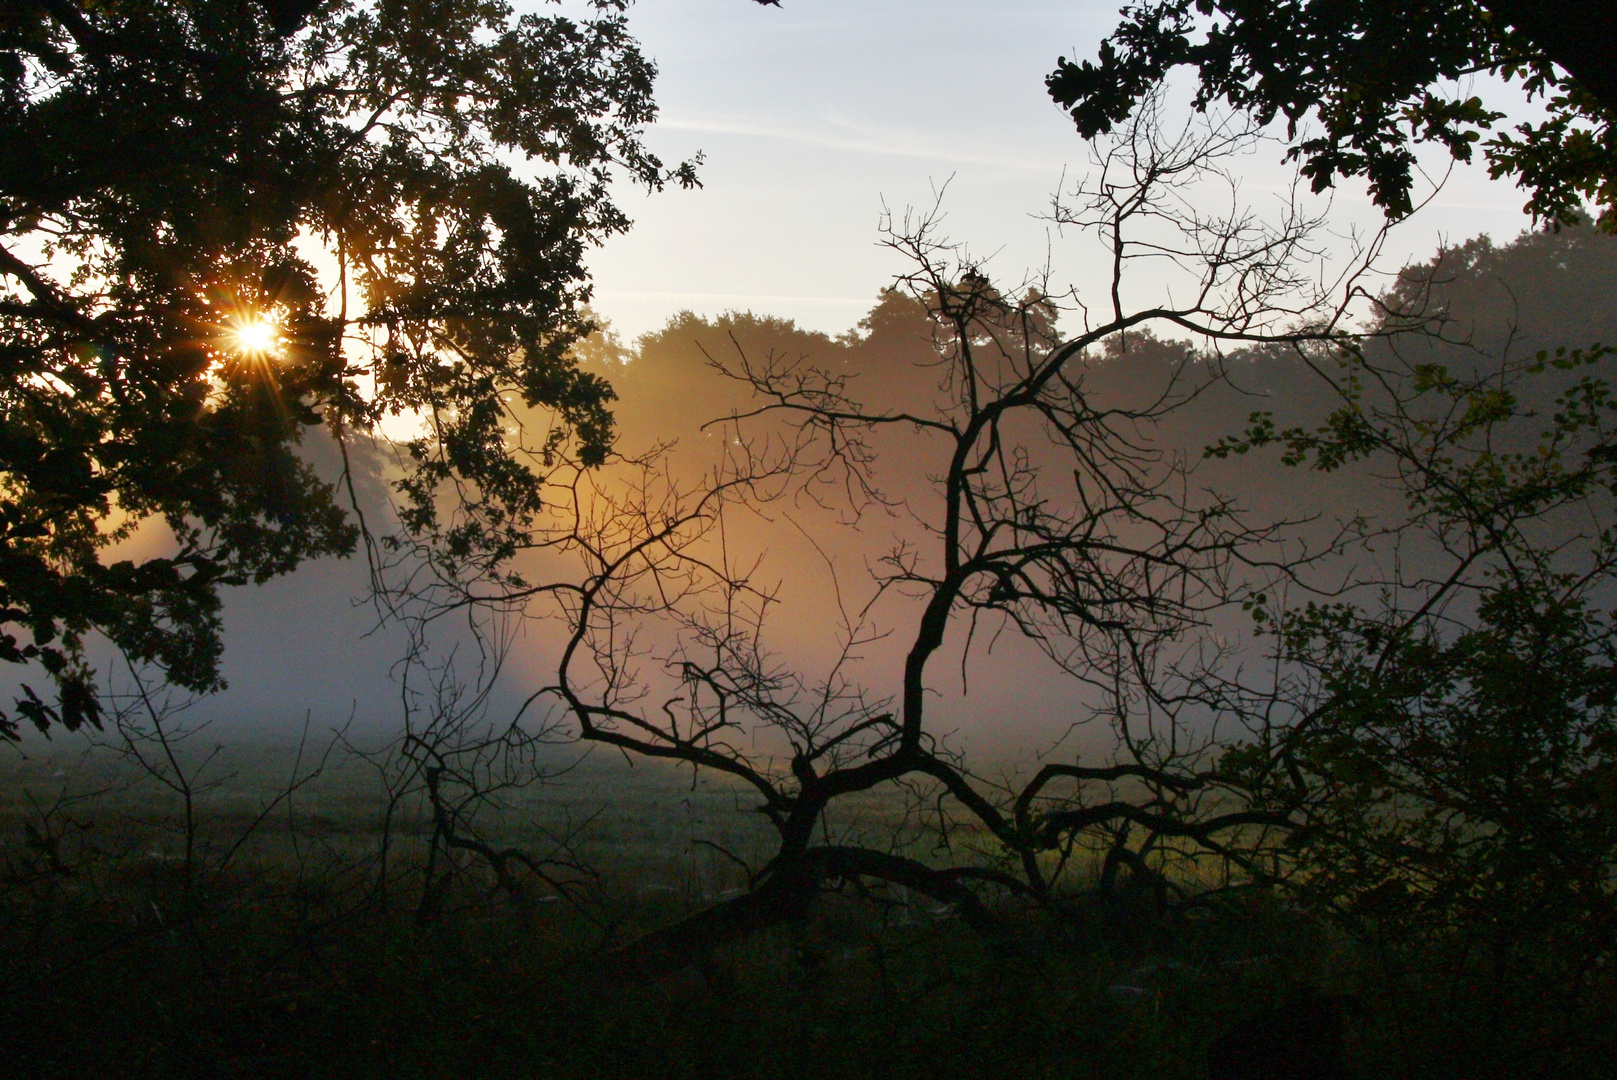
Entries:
{"x":128,"y":971}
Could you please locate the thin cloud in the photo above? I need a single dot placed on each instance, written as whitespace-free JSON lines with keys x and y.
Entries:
{"x":853,"y":138}
{"x":727,"y":298}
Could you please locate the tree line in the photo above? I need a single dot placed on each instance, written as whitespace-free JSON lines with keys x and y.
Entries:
{"x":1411,"y":731}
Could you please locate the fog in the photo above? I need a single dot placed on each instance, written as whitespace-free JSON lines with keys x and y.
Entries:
{"x":311,"y":647}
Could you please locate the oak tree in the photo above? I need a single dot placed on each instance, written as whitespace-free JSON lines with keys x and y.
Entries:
{"x":1368,"y":81}
{"x":224,"y":223}
{"x":1025,"y":499}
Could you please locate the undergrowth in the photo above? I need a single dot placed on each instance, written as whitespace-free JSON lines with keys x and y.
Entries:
{"x":296,"y":958}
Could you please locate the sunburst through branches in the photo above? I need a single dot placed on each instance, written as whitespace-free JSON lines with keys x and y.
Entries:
{"x":253,"y":336}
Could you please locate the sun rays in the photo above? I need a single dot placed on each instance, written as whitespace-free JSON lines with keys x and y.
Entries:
{"x":253,"y":336}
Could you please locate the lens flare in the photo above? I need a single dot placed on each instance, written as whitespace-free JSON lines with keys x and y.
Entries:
{"x":255,"y":336}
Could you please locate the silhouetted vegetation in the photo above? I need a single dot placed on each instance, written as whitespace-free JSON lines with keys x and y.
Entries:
{"x":1296,"y":589}
{"x":174,"y":175}
{"x":1358,"y":83}
{"x":1028,"y":505}
{"x":458,"y":903}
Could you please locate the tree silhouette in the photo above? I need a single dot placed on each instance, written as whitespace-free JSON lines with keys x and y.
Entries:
{"x":1023,"y":506}
{"x":1441,"y":734}
{"x":1370,"y":76}
{"x":221,"y":223}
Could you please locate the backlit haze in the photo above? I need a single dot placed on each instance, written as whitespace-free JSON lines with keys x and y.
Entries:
{"x":812,"y":119}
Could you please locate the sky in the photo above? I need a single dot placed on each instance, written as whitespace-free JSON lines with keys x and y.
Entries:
{"x":813,"y":118}
{"x":816,"y":115}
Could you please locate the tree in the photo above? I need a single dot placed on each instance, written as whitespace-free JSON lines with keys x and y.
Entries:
{"x":1371,"y":76}
{"x":1441,"y":733}
{"x":1023,"y":506}
{"x":222,"y":224}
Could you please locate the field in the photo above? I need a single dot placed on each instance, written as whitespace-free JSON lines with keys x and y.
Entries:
{"x":288,"y":946}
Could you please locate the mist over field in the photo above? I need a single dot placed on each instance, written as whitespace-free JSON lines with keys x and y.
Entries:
{"x":311,"y":646}
{"x":753,"y":539}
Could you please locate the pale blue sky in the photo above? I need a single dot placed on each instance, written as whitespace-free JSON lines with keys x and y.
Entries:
{"x":813,"y":114}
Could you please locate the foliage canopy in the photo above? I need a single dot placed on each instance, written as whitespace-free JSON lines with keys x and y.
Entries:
{"x":178,"y":176}
{"x":1371,"y":74}
{"x":1447,"y":750}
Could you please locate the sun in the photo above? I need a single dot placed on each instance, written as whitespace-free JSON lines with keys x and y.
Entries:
{"x":254,"y":335}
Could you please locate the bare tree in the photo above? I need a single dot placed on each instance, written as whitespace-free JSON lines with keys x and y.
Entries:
{"x":1044,"y":513}
{"x":150,"y":731}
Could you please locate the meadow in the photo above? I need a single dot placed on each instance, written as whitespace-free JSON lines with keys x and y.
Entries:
{"x":289,"y":946}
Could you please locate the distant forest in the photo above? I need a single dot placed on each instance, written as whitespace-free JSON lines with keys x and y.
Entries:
{"x":1488,"y":302}
{"x":1483,"y":304}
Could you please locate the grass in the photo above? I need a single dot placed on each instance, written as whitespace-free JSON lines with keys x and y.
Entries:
{"x":288,"y":960}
